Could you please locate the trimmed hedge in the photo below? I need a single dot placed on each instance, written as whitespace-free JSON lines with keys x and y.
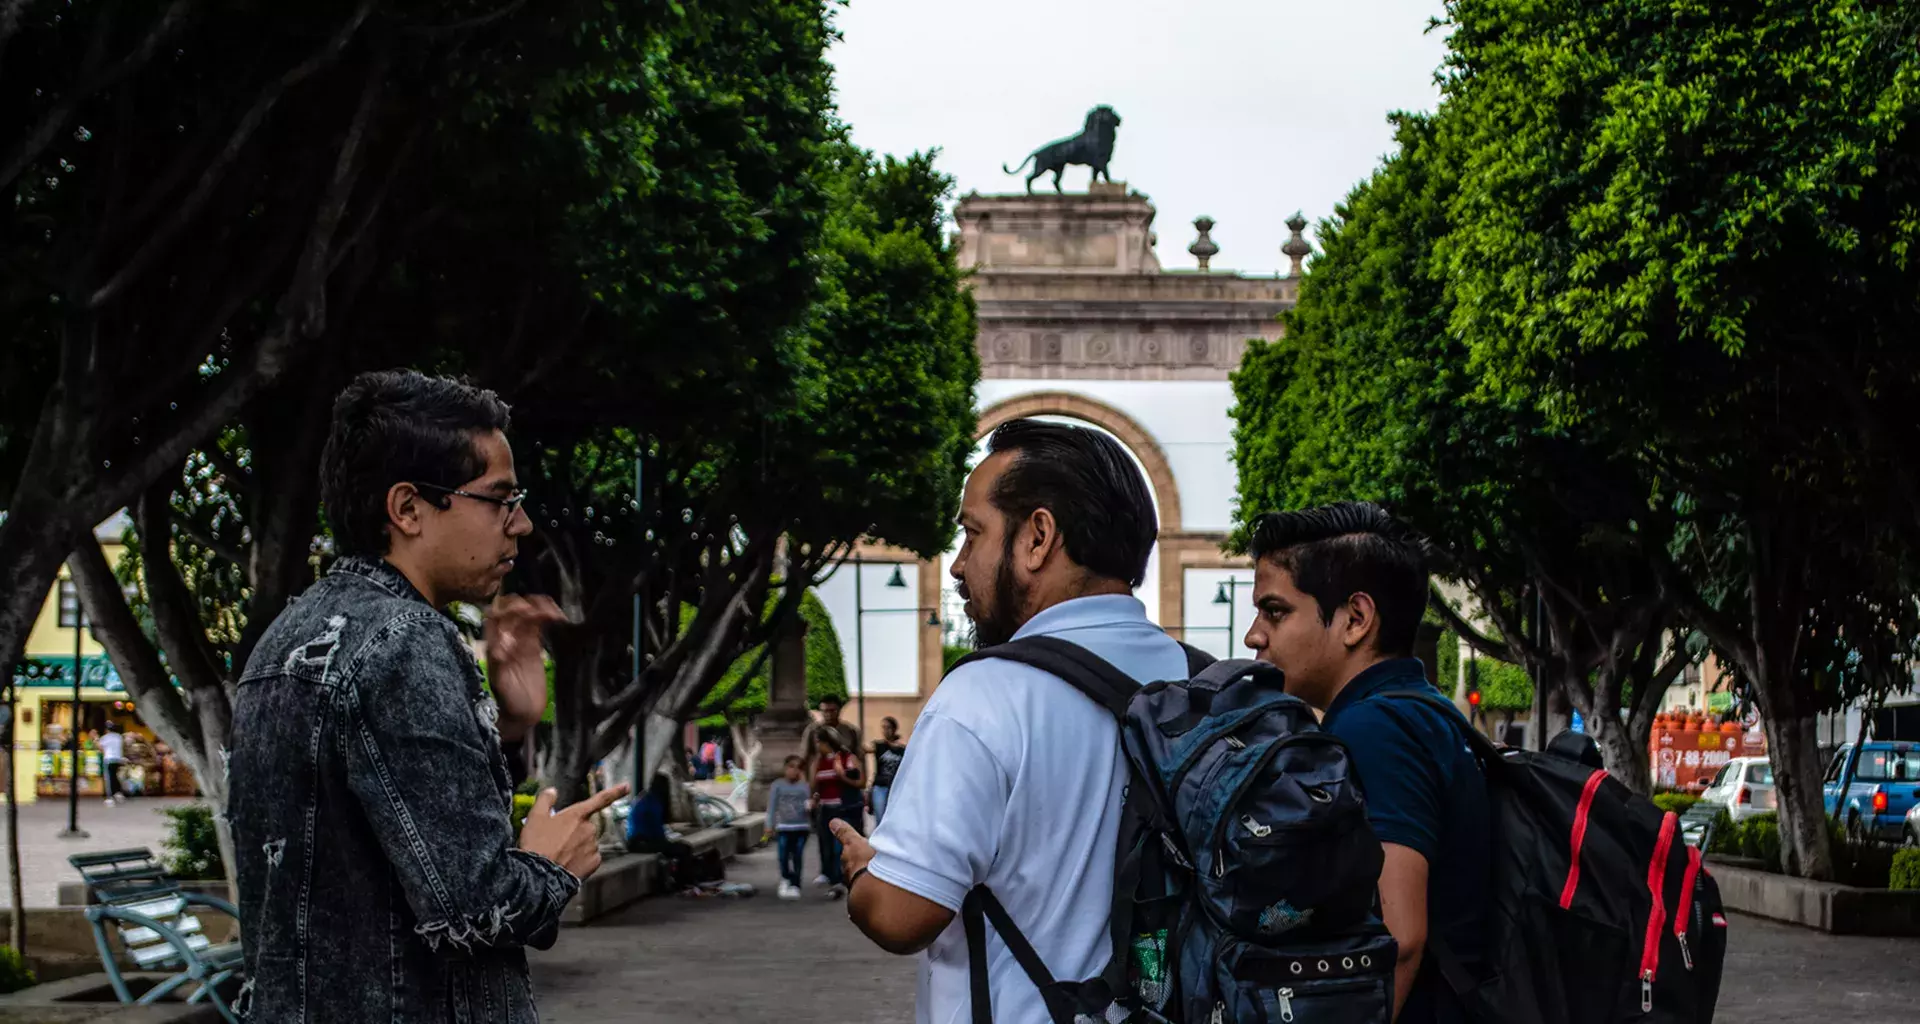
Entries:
{"x":1906,"y":870}
{"x":1675,"y":803}
{"x":14,"y":972}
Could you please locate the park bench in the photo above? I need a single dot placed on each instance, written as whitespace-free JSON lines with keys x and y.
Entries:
{"x":154,"y":919}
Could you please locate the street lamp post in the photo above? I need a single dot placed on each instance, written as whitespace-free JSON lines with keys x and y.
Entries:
{"x":73,"y":734}
{"x":898,"y":581}
{"x":1229,"y":594}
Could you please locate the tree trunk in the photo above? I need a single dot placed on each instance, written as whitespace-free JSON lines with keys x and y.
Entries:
{"x":17,"y":927}
{"x":1793,"y":748}
{"x":1625,"y":760}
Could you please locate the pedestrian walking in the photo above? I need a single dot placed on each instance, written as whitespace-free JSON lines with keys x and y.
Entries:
{"x":370,"y":799}
{"x":789,"y":821}
{"x":113,"y":757}
{"x":887,"y":753}
{"x":1339,"y":592}
{"x":836,"y":798}
{"x":1014,"y":779}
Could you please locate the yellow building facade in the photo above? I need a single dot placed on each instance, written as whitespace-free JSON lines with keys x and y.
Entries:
{"x":44,"y":712}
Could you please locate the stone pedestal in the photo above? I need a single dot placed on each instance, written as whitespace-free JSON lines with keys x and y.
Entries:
{"x":778,"y":729}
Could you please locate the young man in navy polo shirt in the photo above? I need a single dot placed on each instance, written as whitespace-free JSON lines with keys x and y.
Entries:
{"x":1340,"y":591}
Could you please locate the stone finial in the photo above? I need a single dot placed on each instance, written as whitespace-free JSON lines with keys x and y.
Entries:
{"x":1297,"y":247}
{"x":1203,"y":248}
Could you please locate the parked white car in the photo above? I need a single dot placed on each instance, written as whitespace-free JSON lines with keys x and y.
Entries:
{"x":1744,"y":787}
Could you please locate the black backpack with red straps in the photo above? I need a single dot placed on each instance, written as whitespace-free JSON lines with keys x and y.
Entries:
{"x":1601,"y":912}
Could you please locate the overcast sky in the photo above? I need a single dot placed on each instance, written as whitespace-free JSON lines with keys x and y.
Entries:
{"x":1244,"y":110}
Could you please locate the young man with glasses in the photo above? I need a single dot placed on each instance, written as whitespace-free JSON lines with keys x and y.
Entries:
{"x":369,"y":800}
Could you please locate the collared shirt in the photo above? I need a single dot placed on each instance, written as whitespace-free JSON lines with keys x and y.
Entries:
{"x":1014,"y":778}
{"x":1425,"y":792}
{"x":379,"y":877}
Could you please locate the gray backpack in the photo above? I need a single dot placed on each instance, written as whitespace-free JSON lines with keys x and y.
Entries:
{"x":1245,"y":872}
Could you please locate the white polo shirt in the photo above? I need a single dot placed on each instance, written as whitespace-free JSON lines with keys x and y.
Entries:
{"x":1014,"y":778}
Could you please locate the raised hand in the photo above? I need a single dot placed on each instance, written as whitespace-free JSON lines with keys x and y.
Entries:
{"x":514,"y":664}
{"x":568,"y":837}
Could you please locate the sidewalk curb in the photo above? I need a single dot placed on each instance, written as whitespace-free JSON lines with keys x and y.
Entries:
{"x":1826,"y":906}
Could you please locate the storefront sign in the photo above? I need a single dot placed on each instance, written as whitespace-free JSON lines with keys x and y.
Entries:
{"x":1688,"y":759}
{"x":96,"y":670}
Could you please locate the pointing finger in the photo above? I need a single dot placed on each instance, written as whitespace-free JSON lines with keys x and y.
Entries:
{"x":599,"y":801}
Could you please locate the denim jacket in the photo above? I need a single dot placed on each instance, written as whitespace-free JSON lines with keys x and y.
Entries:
{"x":370,"y":809}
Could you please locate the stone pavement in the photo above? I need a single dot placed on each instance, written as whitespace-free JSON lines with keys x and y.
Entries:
{"x":672,"y":960}
{"x":675,"y":960}
{"x":135,"y":821}
{"x":1784,"y":974}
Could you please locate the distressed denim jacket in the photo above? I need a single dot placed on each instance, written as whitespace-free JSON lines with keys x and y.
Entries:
{"x":370,"y":803}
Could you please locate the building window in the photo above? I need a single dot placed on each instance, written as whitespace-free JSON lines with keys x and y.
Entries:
{"x":69,"y":605}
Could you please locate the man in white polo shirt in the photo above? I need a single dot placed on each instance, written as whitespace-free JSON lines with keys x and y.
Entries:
{"x":1014,"y":778}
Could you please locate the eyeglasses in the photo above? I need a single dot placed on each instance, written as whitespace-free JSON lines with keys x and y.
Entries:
{"x":508,"y":504}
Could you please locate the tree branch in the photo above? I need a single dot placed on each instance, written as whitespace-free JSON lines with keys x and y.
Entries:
{"x":178,"y":622}
{"x":1475,"y":638}
{"x":133,"y":655}
{"x":183,"y":214}
{"x":41,"y":135}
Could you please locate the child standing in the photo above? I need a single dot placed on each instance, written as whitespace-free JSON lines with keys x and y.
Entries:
{"x":788,"y":819}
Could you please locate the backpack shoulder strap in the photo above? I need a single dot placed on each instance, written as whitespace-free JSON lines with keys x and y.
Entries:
{"x":1082,"y":669}
{"x":1482,"y":746}
{"x":1197,"y":660}
{"x":979,"y":909}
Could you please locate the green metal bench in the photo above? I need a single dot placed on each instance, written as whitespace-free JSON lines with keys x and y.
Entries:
{"x":154,"y":919}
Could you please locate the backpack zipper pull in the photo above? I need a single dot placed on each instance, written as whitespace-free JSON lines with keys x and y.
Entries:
{"x":1686,"y":954}
{"x":1286,"y":1004}
{"x":1259,"y":831}
{"x":1646,"y":992}
{"x":1219,"y":1013}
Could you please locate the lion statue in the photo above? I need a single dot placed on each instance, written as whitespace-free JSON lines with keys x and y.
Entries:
{"x":1093,"y":147}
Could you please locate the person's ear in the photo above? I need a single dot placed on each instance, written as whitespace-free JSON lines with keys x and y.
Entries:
{"x":1363,"y":621}
{"x":1039,"y":536}
{"x":406,"y":506}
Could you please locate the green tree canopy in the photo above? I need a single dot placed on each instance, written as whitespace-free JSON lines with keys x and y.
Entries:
{"x":1370,"y":395}
{"x":1684,"y":233}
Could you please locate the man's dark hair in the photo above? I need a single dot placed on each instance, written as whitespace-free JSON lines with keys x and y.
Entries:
{"x":829,"y":699}
{"x":890,"y":720}
{"x":1095,"y":492}
{"x":1351,"y":547}
{"x":398,"y":426}
{"x":795,"y":760}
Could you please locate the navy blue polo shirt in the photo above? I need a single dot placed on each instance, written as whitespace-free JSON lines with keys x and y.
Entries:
{"x":1425,"y":792}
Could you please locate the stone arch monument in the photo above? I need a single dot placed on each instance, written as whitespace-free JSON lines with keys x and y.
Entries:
{"x":1078,"y":319}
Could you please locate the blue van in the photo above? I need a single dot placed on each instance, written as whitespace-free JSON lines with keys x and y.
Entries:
{"x":1885,"y":785}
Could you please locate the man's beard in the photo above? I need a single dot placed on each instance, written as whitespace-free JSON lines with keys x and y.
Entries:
{"x":1000,"y":619}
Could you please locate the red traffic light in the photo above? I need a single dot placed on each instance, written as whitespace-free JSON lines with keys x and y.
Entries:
{"x":1473,"y":697}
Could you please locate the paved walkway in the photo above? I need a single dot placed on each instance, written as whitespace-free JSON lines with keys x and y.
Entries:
{"x":673,"y":960}
{"x":135,"y":821}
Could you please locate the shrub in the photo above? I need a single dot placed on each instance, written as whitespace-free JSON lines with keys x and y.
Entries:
{"x":1726,"y":835}
{"x":1905,"y":873}
{"x":522,"y":804}
{"x":1760,"y":837}
{"x":14,"y":972}
{"x":191,"y":849}
{"x":1676,"y":803}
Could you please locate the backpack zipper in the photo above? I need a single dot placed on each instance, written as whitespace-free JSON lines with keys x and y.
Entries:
{"x":1286,"y":1004}
{"x":1266,"y":757}
{"x":1656,"y":917}
{"x":1683,"y":911}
